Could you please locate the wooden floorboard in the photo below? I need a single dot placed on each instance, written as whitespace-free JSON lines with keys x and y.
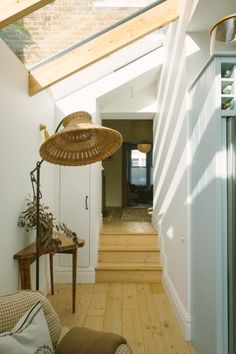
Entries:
{"x":169,"y":326}
{"x":113,"y":319}
{"x":132,"y":227}
{"x":132,"y":329}
{"x":153,"y":335}
{"x":140,"y":312}
{"x":113,"y":224}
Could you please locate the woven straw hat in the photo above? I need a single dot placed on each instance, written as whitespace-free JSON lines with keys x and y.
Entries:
{"x":80,"y":142}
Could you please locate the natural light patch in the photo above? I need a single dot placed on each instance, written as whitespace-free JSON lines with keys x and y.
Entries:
{"x":175,"y":184}
{"x":171,"y":149}
{"x":83,"y":100}
{"x":168,"y":108}
{"x":221,"y":166}
{"x":201,"y":126}
{"x":206,"y":178}
{"x":170,"y":233}
{"x":149,"y":108}
{"x":217,"y":168}
{"x":189,"y":162}
{"x":191,"y":46}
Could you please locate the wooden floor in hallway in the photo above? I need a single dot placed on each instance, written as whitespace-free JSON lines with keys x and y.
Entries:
{"x":140,"y":312}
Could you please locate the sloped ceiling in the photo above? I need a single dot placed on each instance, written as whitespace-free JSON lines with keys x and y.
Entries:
{"x":209,"y":11}
{"x":135,"y":99}
{"x":106,"y":66}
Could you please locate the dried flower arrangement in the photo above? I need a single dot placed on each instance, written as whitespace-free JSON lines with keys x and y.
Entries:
{"x":27,"y":219}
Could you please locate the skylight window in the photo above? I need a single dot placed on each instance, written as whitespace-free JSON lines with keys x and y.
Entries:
{"x":65,"y":37}
{"x":59,"y":26}
{"x":121,"y":3}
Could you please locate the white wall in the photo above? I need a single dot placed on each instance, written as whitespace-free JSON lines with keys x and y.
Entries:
{"x":84,"y":101}
{"x":20,"y":139}
{"x":113,"y":179}
{"x":183,"y":61}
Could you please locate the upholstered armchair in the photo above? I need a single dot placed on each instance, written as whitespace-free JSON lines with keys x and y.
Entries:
{"x":14,"y":306}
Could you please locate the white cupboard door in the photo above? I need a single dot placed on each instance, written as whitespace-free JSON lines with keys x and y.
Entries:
{"x":74,"y":208}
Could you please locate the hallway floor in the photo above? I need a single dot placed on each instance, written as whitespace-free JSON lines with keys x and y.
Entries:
{"x":114,"y":214}
{"x":140,"y":312}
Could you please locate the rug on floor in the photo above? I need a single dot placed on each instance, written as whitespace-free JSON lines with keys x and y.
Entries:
{"x":135,"y":214}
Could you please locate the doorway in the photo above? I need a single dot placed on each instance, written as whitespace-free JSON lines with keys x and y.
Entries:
{"x":137,"y":184}
{"x":128,"y":167}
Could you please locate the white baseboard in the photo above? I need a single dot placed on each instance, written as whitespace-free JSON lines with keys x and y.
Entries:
{"x":84,"y":275}
{"x":155,"y":223}
{"x":156,"y":227}
{"x":183,"y":317}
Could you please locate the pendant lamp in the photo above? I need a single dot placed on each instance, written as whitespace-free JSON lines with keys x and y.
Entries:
{"x":144,"y":147}
{"x":224,"y":31}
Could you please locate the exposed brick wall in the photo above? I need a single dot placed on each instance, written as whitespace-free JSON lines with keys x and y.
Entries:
{"x":58,"y":26}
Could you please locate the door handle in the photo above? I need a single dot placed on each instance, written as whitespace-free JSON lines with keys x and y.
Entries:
{"x":86,"y":202}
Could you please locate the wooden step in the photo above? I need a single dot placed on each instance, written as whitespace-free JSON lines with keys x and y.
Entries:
{"x":127,"y":255}
{"x":151,"y":274}
{"x":119,"y":231}
{"x":127,"y":228}
{"x":128,"y":266}
{"x":133,"y":247}
{"x":128,"y":239}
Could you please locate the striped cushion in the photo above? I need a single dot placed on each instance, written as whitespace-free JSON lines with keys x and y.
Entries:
{"x":64,"y":331}
{"x":123,"y":349}
{"x":13,"y":307}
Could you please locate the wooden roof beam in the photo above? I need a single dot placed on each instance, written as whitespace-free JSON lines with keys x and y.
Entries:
{"x":107,"y":43}
{"x":13,"y":10}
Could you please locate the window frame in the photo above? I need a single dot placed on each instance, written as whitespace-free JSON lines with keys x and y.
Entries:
{"x":129,"y":166}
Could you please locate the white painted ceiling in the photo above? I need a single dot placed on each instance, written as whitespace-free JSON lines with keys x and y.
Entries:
{"x":137,"y":96}
{"x":106,"y":66}
{"x":209,"y":11}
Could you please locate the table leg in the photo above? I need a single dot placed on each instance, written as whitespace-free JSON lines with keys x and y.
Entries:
{"x":51,"y":272}
{"x":25,"y":277}
{"x":74,"y":270}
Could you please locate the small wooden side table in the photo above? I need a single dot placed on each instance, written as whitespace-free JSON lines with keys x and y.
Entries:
{"x":27,"y":256}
